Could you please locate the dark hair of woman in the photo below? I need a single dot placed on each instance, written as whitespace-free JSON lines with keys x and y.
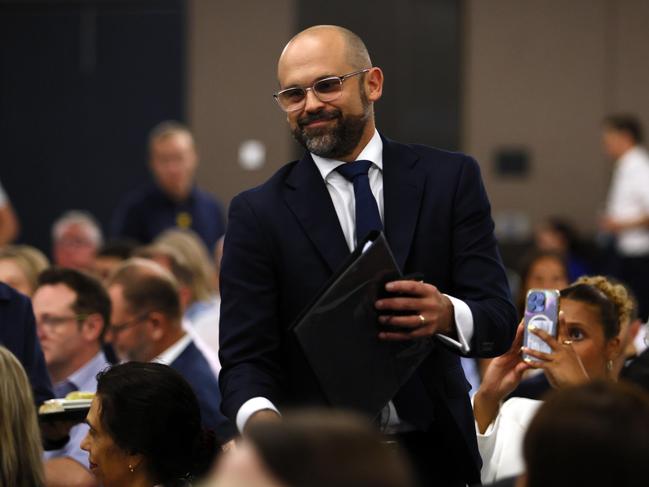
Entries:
{"x":328,"y":449}
{"x":527,"y":264}
{"x":149,"y":409}
{"x":594,"y":435}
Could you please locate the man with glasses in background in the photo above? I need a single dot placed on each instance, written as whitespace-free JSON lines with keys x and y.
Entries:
{"x":287,"y":237}
{"x":72,"y":310}
{"x":147,"y":327}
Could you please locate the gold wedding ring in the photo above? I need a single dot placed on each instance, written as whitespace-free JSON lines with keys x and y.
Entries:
{"x":422,"y":319}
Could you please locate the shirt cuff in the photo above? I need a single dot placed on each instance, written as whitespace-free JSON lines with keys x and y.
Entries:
{"x":250,"y":407}
{"x":463,"y":326}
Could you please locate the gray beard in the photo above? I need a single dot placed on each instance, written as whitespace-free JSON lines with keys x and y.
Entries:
{"x":337,"y":141}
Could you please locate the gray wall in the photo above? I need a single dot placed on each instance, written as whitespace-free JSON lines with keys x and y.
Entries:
{"x":542,"y":75}
{"x":233,"y":50}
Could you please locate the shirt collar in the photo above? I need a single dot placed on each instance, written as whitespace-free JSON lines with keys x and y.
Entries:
{"x":173,"y":352}
{"x":373,"y":151}
{"x":85,"y":378}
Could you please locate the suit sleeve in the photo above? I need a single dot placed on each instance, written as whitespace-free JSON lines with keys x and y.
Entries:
{"x":249,"y":329}
{"x":32,"y":357}
{"x":479,"y":277}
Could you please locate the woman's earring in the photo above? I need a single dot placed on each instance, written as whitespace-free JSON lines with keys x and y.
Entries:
{"x":130,"y":467}
{"x":609,"y":365}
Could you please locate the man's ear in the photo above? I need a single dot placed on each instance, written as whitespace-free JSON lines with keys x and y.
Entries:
{"x":185,"y":294}
{"x":374,"y":84}
{"x":92,"y":327}
{"x":157,"y":322}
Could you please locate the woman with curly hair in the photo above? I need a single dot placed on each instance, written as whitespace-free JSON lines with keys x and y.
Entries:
{"x":586,"y":348}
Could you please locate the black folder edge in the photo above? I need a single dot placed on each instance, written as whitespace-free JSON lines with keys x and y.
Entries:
{"x":372,"y":237}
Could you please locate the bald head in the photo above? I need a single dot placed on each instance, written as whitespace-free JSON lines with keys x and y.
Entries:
{"x":331,"y":38}
{"x":340,"y":125}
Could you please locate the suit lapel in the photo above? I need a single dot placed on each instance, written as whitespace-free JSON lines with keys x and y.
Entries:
{"x":403,"y":189}
{"x":308,"y":198}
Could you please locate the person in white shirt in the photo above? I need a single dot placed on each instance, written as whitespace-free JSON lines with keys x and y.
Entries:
{"x":595,"y":314}
{"x":627,"y":208}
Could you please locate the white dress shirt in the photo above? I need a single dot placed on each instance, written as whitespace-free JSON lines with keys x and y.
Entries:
{"x":628,"y":200}
{"x":342,"y":195}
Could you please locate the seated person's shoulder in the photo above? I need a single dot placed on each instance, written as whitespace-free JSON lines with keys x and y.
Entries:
{"x":9,"y":297}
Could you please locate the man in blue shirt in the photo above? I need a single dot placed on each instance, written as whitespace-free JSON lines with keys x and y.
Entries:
{"x":72,"y":310}
{"x":174,"y":201}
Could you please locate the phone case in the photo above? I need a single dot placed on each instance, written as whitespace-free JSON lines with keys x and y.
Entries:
{"x":542,"y":311}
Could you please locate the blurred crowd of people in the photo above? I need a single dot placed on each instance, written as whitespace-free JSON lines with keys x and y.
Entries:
{"x":135,"y":319}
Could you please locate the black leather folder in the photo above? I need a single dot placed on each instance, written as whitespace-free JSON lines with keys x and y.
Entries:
{"x":339,"y":334}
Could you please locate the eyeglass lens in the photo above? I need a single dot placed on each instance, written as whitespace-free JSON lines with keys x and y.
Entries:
{"x":326,"y":90}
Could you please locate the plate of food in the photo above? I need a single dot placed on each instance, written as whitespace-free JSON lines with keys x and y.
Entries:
{"x":74,"y":407}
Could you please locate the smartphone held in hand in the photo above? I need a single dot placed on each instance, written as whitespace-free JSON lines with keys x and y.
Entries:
{"x":541,"y":312}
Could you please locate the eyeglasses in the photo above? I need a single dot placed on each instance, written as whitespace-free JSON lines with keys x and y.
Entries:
{"x":52,"y":321}
{"x":116,"y":329}
{"x":326,"y":90}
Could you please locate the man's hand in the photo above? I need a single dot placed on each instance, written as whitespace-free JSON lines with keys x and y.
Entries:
{"x":430,"y":312}
{"x":57,"y":432}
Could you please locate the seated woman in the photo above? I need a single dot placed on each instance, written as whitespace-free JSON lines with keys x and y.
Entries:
{"x":587,"y":345}
{"x":145,"y":428}
{"x":20,"y":438}
{"x":20,"y":266}
{"x":542,"y":269}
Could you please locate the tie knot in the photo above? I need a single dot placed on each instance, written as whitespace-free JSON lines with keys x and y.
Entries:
{"x":351,"y":170}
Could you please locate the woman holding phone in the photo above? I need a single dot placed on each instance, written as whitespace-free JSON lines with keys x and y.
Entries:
{"x":588,"y":343}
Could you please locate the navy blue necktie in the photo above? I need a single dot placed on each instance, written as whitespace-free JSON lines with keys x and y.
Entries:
{"x":367,"y":211}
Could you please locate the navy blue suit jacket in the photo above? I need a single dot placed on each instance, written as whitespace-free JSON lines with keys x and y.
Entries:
{"x":18,"y":334}
{"x":193,"y":366}
{"x":284,"y":241}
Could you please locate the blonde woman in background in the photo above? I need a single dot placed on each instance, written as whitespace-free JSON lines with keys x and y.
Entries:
{"x":203,"y":306}
{"x":196,"y":258}
{"x":20,"y":266}
{"x":20,"y":438}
